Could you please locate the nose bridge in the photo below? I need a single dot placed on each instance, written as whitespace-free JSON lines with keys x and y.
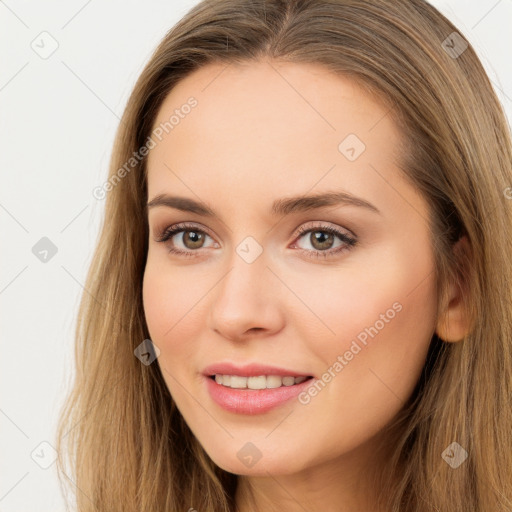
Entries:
{"x":247,"y":276}
{"x":245,"y":298}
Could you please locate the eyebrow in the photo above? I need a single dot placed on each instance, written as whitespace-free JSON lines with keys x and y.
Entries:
{"x":280,"y":207}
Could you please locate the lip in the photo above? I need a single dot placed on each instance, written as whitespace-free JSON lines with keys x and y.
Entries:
{"x":250,"y":370}
{"x":252,"y":401}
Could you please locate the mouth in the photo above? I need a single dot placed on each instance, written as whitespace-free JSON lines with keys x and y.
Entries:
{"x":258,"y":382}
{"x":257,"y":394}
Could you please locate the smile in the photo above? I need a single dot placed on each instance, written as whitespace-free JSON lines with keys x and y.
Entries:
{"x":255,"y":394}
{"x":257,"y":382}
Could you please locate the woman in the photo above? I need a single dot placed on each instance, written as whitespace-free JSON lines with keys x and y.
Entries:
{"x":301,"y":295}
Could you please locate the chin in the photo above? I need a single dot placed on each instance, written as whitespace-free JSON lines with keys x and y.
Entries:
{"x":249,"y":461}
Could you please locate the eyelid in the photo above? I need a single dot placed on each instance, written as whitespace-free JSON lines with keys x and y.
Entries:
{"x":181,"y":226}
{"x":324,"y":226}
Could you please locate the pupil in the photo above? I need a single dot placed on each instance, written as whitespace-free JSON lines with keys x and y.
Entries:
{"x":194,"y":238}
{"x":323,"y":239}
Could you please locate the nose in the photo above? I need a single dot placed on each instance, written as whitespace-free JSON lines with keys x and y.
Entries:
{"x":247,"y":301}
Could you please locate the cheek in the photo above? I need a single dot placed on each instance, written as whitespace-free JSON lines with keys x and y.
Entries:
{"x":169,"y":312}
{"x":389,"y":301}
{"x":173,"y":310}
{"x":372,"y":343}
{"x":169,"y":295}
{"x":381,"y":323}
{"x":158,"y":302}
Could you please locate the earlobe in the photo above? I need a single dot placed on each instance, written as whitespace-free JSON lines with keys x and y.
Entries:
{"x":453,"y":324}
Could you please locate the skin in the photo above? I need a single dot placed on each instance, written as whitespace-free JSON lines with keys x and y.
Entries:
{"x":260,"y":132}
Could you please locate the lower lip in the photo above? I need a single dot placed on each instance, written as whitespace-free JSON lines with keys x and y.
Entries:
{"x":252,"y":401}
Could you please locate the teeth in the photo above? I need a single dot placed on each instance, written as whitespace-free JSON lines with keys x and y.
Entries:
{"x":237,"y":382}
{"x":257,"y":382}
{"x":260,"y":382}
{"x":273,"y":381}
{"x":289,"y":381}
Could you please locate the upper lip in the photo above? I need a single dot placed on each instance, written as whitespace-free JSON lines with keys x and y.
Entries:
{"x":250,"y":370}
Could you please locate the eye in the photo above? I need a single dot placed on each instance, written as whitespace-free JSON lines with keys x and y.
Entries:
{"x":321,"y":238}
{"x":191,"y":239}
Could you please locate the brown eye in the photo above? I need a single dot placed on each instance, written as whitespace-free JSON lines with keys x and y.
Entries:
{"x":192,"y":239}
{"x":321,"y":240}
{"x":184,"y":239}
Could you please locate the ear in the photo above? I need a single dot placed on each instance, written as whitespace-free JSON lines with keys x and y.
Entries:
{"x":453,"y":323}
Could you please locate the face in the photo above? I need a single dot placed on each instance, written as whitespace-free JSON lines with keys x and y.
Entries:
{"x":265,"y":290}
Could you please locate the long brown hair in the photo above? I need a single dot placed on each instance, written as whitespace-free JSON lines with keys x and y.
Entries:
{"x":125,"y":442}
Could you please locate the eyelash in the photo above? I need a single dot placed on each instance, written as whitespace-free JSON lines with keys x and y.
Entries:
{"x":350,"y":242}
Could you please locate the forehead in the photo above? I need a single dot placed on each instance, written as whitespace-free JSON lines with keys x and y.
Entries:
{"x":278,"y":93}
{"x":264,"y":127}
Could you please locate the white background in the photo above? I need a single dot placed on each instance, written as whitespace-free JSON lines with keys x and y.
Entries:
{"x":57,"y":124}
